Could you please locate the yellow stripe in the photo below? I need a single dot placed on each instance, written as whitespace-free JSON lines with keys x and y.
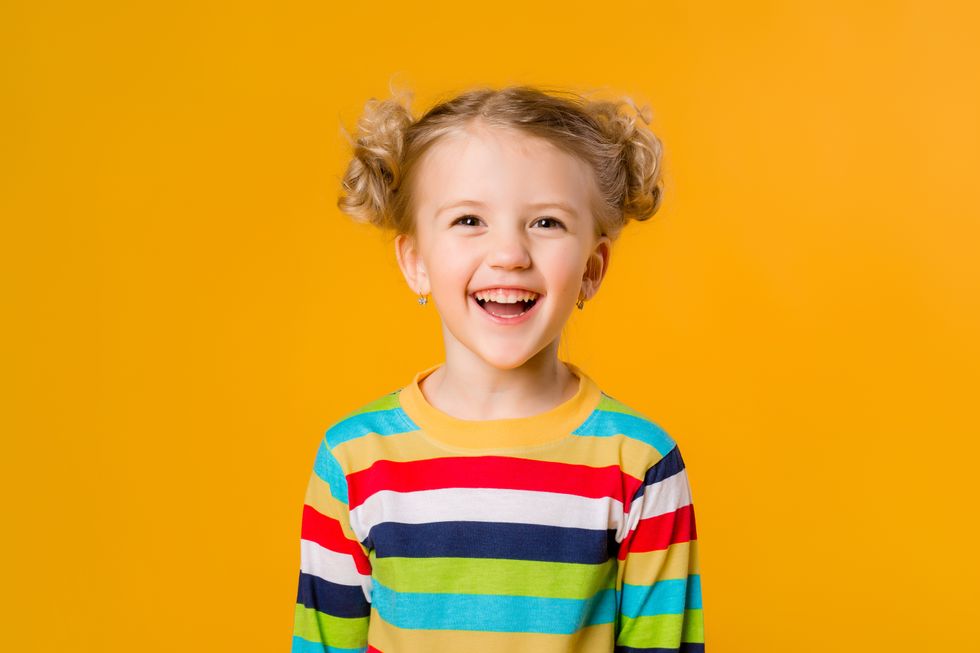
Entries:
{"x":319,"y":498}
{"x":634,"y":456}
{"x":391,"y":639}
{"x":676,"y":561}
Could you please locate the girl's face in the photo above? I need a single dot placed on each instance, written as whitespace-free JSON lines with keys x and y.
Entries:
{"x":497,"y":208}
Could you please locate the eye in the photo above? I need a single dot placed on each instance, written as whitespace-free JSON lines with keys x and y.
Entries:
{"x":466,"y":217}
{"x":547,"y":219}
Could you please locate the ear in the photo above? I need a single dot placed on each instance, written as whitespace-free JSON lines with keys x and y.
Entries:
{"x":596,"y":267}
{"x":411,"y":264}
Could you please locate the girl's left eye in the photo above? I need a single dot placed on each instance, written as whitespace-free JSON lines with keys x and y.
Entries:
{"x":557,"y":222}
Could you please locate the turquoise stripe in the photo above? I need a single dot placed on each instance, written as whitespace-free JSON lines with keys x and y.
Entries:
{"x":488,"y":612}
{"x":663,"y":597}
{"x":327,"y":468}
{"x":381,"y":422}
{"x":607,"y":423}
{"x":694,"y":591}
{"x":301,"y":645}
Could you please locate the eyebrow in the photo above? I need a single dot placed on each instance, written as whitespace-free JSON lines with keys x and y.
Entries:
{"x":567,"y":208}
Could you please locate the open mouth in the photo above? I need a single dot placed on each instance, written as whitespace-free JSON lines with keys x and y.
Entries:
{"x":506,"y":310}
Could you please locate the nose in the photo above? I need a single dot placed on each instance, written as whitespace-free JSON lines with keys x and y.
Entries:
{"x":509,"y":250}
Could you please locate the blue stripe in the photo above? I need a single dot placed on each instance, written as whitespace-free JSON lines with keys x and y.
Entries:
{"x":663,"y":597}
{"x":301,"y":645}
{"x":381,"y":422}
{"x":664,"y":468}
{"x":328,"y":469}
{"x":607,"y":423}
{"x":474,"y":539}
{"x":490,"y":612}
{"x":332,"y":598}
{"x":694,"y":592}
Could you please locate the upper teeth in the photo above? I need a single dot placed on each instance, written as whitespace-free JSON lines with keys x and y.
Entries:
{"x":505,"y":296}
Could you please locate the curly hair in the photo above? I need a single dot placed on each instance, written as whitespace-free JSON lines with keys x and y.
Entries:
{"x":623,"y":152}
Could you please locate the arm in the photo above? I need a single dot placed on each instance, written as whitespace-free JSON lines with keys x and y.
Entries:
{"x":333,"y":600}
{"x":660,"y":595}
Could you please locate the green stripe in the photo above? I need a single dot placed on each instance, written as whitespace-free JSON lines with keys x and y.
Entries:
{"x":655,"y":631}
{"x":385,"y":402}
{"x":663,"y":630}
{"x":611,"y":405}
{"x":565,"y":580}
{"x":693,"y":625}
{"x":340,"y":632}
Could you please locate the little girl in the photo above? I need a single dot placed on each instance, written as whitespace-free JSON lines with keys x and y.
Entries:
{"x":500,"y":501}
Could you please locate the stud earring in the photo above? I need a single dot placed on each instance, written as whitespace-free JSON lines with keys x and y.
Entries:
{"x":580,"y":303}
{"x":422,"y":299}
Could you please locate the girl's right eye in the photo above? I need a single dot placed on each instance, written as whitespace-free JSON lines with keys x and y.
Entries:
{"x":466,"y":217}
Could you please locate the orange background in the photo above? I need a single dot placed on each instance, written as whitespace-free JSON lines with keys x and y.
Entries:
{"x":186,"y":309}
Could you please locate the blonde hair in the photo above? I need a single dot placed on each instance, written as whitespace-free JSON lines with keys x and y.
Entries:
{"x":624,"y":154}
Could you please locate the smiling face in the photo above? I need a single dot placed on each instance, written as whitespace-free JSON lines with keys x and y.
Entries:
{"x":498,"y":208}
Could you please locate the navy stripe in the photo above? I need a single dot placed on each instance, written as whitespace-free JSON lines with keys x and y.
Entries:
{"x":670,"y":464}
{"x":332,"y":598}
{"x":475,"y":539}
{"x":686,"y":647}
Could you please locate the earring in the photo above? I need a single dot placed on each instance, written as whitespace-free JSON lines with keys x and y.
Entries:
{"x":580,"y":303}
{"x":422,"y":299}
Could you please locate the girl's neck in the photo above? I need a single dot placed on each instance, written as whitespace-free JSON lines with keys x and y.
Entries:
{"x":471,"y":389}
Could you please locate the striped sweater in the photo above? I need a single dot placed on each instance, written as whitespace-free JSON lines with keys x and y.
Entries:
{"x":569,"y":530}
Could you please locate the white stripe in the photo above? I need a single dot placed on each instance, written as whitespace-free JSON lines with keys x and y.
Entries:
{"x":332,"y":566}
{"x":657,"y":499}
{"x":665,"y":496}
{"x":487,"y":505}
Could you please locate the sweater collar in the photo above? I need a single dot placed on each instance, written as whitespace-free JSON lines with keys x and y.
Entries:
{"x":544,"y":428}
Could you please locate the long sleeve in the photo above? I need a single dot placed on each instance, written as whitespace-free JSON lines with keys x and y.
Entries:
{"x":333,"y":601}
{"x":659,"y":574}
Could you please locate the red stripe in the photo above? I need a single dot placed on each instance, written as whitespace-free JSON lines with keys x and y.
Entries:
{"x":371,"y":649}
{"x":659,"y":532}
{"x":326,"y":532}
{"x":491,"y":472}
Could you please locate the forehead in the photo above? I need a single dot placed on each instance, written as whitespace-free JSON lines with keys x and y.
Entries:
{"x":501,"y":167}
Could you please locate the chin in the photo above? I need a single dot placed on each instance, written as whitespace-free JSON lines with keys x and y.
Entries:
{"x":506,"y":362}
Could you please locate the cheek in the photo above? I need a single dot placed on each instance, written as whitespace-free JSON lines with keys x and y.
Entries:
{"x":447,"y":273}
{"x":564,"y":273}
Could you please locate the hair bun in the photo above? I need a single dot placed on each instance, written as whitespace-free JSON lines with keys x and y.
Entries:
{"x":374,"y":173}
{"x":641,"y":154}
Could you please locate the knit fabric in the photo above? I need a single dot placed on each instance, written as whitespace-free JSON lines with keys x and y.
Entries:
{"x":570,"y":530}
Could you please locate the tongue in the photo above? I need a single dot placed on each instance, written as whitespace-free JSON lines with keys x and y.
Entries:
{"x":508,"y":310}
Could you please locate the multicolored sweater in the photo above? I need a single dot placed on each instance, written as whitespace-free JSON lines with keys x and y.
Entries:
{"x":568,"y":531}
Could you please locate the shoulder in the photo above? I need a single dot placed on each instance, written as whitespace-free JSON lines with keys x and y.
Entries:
{"x":646,"y":451}
{"x":382,"y":415}
{"x":640,"y":433}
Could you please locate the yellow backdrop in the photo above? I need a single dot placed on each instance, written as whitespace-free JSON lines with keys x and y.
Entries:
{"x":186,"y":309}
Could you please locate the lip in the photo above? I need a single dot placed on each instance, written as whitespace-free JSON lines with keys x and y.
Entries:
{"x":508,"y":321}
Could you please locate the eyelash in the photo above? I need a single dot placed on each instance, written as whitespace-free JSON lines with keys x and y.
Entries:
{"x":555,"y":220}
